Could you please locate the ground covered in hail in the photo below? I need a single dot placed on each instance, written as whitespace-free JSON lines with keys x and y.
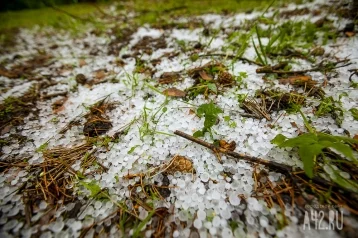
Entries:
{"x":218,"y":125}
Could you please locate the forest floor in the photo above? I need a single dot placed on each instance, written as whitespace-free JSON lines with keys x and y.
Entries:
{"x":187,"y":119}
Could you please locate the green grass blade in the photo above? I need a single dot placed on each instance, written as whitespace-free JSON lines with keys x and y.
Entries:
{"x":142,"y":224}
{"x":258,"y":53}
{"x":261,"y":46}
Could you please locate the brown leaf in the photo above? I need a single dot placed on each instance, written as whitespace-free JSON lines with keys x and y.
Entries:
{"x":174,"y":92}
{"x":169,"y":77}
{"x":100,"y":74}
{"x":227,"y":146}
{"x":205,"y":76}
{"x":226,"y":79}
{"x":58,"y":105}
{"x":82,"y":62}
{"x":349,"y":33}
{"x":195,"y":72}
{"x":181,"y":164}
{"x":297,"y":79}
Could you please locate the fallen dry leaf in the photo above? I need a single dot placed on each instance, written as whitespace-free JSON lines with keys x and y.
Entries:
{"x":227,"y":145}
{"x":100,"y":74}
{"x":181,"y":164}
{"x":169,"y":77}
{"x":58,"y":105}
{"x":174,"y":92}
{"x":82,"y":62}
{"x":349,"y":33}
{"x":295,"y":79}
{"x":205,"y":76}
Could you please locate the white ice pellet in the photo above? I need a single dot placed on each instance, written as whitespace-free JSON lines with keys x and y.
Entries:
{"x":216,"y":221}
{"x":201,"y":214}
{"x":263,"y":221}
{"x":234,"y":199}
{"x":43,"y":205}
{"x":57,"y":226}
{"x":204,"y":177}
{"x":198,"y":223}
{"x":10,"y":225}
{"x":181,"y":183}
{"x":215,"y":195}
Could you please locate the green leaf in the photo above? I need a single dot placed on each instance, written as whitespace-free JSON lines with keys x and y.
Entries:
{"x":279,"y":139}
{"x":198,"y":134}
{"x":343,"y":182}
{"x":136,"y":232}
{"x":354,"y":112}
{"x":326,"y":137}
{"x":42,"y":147}
{"x":208,"y":109}
{"x":308,"y":154}
{"x":164,"y":109}
{"x":210,"y":120}
{"x":211,"y":111}
{"x":93,"y":187}
{"x":347,"y":139}
{"x":243,"y":74}
{"x":307,"y":124}
{"x":304,"y":139}
{"x":226,"y":118}
{"x":132,"y":149}
{"x":344,"y":149}
{"x":212,"y":87}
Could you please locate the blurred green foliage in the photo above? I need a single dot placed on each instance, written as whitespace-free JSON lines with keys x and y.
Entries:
{"x":11,"y":5}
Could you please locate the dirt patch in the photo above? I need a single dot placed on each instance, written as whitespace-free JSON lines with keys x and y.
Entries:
{"x":148,"y":44}
{"x":25,"y":70}
{"x":14,"y":110}
{"x":122,"y":39}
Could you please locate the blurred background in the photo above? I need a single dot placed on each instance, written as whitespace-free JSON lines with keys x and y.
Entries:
{"x":11,"y":5}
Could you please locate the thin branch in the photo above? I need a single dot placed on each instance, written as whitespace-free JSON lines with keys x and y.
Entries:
{"x":232,"y":57}
{"x":272,"y":164}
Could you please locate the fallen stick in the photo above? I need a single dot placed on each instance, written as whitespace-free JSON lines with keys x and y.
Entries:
{"x":232,"y":57}
{"x":272,"y":164}
{"x":320,"y":67}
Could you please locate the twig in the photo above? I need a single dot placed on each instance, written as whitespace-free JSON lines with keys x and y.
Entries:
{"x":320,"y":67}
{"x":232,"y":57}
{"x":272,"y":164}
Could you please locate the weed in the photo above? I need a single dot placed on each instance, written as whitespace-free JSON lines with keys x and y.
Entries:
{"x":132,"y":81}
{"x":42,"y":147}
{"x":95,"y":189}
{"x":210,"y":111}
{"x":140,"y":226}
{"x":354,"y":112}
{"x":262,"y":53}
{"x":150,"y":122}
{"x":240,"y":78}
{"x":334,"y":107}
{"x":313,"y":144}
{"x":232,"y":124}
